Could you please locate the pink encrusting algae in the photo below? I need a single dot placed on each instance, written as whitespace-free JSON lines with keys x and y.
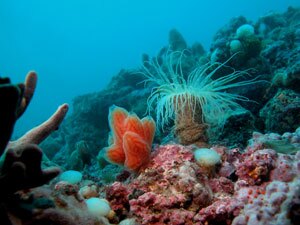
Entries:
{"x":257,"y":186}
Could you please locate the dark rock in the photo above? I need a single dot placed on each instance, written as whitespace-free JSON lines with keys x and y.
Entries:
{"x":176,"y":41}
{"x":282,"y":112}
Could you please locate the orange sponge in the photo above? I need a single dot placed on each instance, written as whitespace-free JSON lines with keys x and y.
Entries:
{"x":131,"y":138}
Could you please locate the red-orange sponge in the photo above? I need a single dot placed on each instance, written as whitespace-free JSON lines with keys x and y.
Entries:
{"x":130,"y":139}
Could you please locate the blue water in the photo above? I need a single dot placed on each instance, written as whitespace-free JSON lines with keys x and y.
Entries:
{"x":77,"y":46}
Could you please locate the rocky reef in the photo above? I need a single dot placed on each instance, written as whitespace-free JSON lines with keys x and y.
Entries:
{"x":249,"y":174}
{"x":258,"y":185}
{"x":267,"y":49}
{"x":174,"y":189}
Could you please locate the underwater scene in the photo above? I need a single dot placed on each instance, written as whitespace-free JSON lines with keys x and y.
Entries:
{"x":150,"y":112}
